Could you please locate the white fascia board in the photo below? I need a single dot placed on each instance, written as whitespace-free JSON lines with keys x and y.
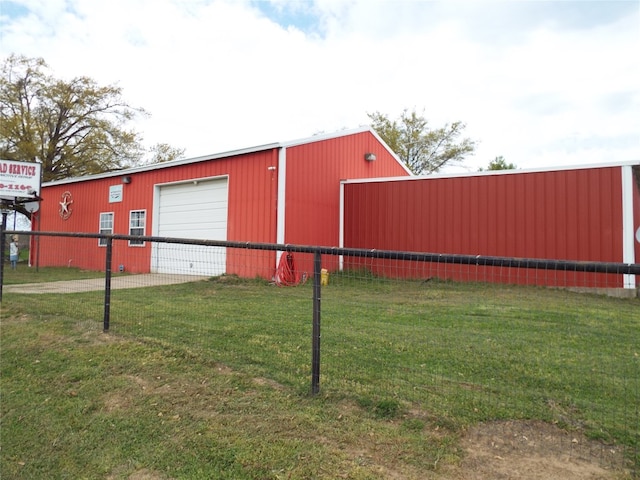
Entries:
{"x":158,"y":166}
{"x":216,"y":156}
{"x":344,"y":133}
{"x":393,"y":154}
{"x":493,"y":172}
{"x":324,"y":136}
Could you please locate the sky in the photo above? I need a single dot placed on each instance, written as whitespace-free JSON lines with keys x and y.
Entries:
{"x":540,"y":83}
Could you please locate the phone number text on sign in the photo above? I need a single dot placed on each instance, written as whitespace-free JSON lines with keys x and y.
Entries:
{"x":15,"y":187}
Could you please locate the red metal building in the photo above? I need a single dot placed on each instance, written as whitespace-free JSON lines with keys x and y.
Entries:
{"x":284,"y":193}
{"x":583,"y":214}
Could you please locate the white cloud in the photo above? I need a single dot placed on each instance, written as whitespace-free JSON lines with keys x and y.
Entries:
{"x":541,"y":83}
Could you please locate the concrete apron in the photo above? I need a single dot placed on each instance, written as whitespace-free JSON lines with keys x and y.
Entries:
{"x":93,"y":284}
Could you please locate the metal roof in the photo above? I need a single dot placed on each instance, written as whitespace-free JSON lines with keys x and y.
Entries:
{"x":215,"y":156}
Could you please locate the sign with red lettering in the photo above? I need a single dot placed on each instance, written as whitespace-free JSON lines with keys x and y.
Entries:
{"x":19,"y":179}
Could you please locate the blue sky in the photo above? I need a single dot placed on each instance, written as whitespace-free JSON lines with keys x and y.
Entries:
{"x":538,"y":82}
{"x":488,"y":21}
{"x":300,"y":15}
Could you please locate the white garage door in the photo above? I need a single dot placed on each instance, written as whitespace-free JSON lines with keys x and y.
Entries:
{"x":192,"y":210}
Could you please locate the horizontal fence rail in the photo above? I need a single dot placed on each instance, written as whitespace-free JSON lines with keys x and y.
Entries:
{"x":483,"y":260}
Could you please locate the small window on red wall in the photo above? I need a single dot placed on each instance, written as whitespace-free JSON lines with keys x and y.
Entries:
{"x":137,"y":221}
{"x":106,"y":227}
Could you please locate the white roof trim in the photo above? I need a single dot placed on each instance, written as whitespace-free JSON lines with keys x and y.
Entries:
{"x":231,"y":153}
{"x":325,"y":136}
{"x":493,"y":172}
{"x":344,"y":133}
{"x":393,"y":154}
{"x":157,"y":166}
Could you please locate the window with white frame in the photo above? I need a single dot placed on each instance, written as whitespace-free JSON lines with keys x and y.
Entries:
{"x":137,"y":221}
{"x":106,"y":227}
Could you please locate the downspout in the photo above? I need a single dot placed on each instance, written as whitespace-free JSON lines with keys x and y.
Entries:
{"x":628,"y":234}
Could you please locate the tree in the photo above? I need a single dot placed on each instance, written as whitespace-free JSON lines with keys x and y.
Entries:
{"x":72,"y":127}
{"x":422,"y":149}
{"x":499,"y":163}
{"x":163,"y":152}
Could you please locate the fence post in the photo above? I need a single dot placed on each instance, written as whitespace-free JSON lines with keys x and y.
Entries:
{"x":107,"y":285}
{"x":3,"y":227}
{"x":315,"y":343}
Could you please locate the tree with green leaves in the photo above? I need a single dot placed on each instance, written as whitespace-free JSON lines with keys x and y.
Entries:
{"x":163,"y":152}
{"x":73,"y":128}
{"x":423,"y":149}
{"x":499,"y":163}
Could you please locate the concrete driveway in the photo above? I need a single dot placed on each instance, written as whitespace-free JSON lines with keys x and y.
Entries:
{"x":92,"y":284}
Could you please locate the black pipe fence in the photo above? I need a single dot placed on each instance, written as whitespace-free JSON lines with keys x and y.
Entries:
{"x":428,"y":346}
{"x":317,"y":252}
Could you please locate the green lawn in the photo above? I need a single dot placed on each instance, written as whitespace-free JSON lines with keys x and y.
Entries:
{"x":25,"y":274}
{"x":211,"y":379}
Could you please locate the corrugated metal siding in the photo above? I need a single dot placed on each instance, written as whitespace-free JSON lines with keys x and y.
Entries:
{"x":570,"y":215}
{"x":314,"y":171}
{"x":252,"y":215}
{"x":89,"y":200}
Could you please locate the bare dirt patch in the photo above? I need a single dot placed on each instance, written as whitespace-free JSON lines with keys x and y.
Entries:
{"x":535,"y":451}
{"x":16,"y":319}
{"x":268,"y":382}
{"x":147,"y":475}
{"x":123,"y":399}
{"x":144,"y":474}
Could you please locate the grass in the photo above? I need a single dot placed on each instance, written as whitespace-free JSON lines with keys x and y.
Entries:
{"x":25,"y":274}
{"x":211,"y":379}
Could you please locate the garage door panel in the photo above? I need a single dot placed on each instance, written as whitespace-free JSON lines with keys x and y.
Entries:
{"x":196,"y":211}
{"x":174,"y":220}
{"x":190,"y":259}
{"x":206,"y":230}
{"x":203,"y":205}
